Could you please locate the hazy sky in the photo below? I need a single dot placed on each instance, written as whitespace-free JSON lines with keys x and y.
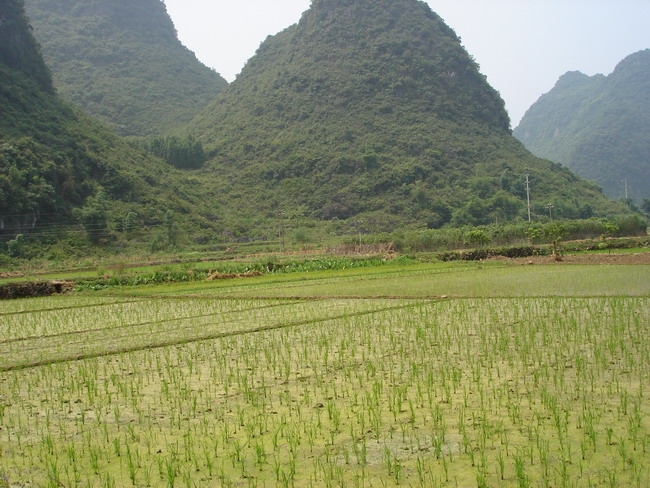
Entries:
{"x":522,"y":46}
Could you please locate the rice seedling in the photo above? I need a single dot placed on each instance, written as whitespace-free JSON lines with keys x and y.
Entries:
{"x":377,"y":391}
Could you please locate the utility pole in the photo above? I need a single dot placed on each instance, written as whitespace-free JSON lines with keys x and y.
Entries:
{"x":550,"y":211}
{"x":528,"y":195}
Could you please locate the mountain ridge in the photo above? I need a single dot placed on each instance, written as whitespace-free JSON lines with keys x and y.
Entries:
{"x":122,"y":62}
{"x":59,"y":167}
{"x":377,"y":120}
{"x":373,"y":110}
{"x":19,"y":49}
{"x":597,"y":126}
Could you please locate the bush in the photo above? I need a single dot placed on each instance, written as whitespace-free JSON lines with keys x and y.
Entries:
{"x":15,"y":247}
{"x":431,"y":240}
{"x":631,"y":225}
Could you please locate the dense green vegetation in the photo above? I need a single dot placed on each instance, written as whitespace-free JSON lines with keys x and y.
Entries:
{"x":521,"y":234}
{"x":182,"y":152}
{"x":59,"y":168}
{"x":19,"y":50}
{"x":598,"y":127}
{"x":372,"y":112}
{"x":122,"y":62}
{"x":364,"y":121}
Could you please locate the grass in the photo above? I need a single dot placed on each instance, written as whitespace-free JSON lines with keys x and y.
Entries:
{"x":521,"y":376}
{"x":466,"y":279}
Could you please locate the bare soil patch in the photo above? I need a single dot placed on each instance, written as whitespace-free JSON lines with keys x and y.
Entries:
{"x":10,"y":274}
{"x":34,"y":289}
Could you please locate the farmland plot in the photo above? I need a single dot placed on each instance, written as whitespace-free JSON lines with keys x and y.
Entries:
{"x":207,"y":391}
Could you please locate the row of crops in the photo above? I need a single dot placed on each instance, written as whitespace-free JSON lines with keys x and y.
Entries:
{"x":201,"y":390}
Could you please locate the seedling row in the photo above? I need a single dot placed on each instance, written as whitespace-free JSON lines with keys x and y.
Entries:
{"x":333,"y":392}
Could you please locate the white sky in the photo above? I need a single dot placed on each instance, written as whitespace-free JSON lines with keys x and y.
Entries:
{"x":522,"y":46}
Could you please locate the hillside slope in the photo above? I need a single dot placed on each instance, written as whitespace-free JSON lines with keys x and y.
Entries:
{"x":597,"y":126}
{"x":371,"y":110}
{"x":122,"y":62}
{"x":19,"y":50}
{"x":56,"y":162}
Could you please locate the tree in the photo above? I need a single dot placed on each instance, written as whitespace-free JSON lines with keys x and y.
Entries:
{"x":181,"y":152}
{"x":93,"y":216}
{"x":645,"y":206}
{"x":555,"y":232}
{"x":15,"y":246}
{"x":478,"y":237}
{"x":130,"y":222}
{"x":170,"y":228}
{"x":25,"y":192}
{"x":475,"y":212}
{"x":504,"y":206}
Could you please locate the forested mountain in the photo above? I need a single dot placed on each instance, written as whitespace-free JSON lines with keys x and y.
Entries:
{"x":19,"y":51}
{"x":121,"y":61}
{"x":372,"y":111}
{"x":58,"y":166}
{"x":597,"y":126}
{"x":366,"y":114}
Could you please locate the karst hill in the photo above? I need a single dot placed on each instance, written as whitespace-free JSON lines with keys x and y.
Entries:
{"x":372,"y":110}
{"x":58,"y":166}
{"x":366,"y":114}
{"x":121,"y":61}
{"x":597,"y":126}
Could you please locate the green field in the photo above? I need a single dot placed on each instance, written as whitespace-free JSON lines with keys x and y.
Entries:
{"x":461,"y":374}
